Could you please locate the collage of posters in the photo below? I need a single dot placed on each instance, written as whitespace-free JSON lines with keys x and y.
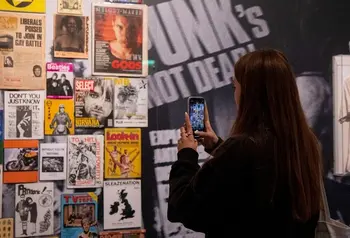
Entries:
{"x":71,"y":142}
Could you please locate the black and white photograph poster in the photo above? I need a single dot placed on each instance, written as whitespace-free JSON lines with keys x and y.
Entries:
{"x":53,"y":157}
{"x":24,"y":113}
{"x":122,"y":204}
{"x":34,"y":209}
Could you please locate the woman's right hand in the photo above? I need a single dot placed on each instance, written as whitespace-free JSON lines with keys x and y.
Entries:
{"x":207,"y":138}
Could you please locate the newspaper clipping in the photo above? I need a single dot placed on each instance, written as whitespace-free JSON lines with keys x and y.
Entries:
{"x":71,"y":36}
{"x":130,"y":102}
{"x":24,"y":113}
{"x":120,"y":39}
{"x":59,"y":80}
{"x":70,"y":7}
{"x":53,"y":158}
{"x":22,"y":51}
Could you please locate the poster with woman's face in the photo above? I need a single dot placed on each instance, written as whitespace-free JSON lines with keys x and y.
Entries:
{"x":71,"y":36}
{"x":119,"y":39}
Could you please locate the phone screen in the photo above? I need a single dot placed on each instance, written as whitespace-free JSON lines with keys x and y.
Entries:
{"x":196,"y":113}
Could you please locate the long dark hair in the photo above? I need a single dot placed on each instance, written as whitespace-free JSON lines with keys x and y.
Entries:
{"x":270,"y":99}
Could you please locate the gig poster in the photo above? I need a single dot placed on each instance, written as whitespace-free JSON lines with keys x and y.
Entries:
{"x":34,"y":209}
{"x":71,"y":36}
{"x":120,"y":36}
{"x":70,"y":7}
{"x":22,"y":51}
{"x":38,"y":6}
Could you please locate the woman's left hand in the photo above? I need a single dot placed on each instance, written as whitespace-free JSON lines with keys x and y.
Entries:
{"x":186,"y":136}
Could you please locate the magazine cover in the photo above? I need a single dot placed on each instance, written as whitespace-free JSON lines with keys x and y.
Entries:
{"x":85,"y":161}
{"x":34,"y":209}
{"x":122,"y":204}
{"x":6,"y":228}
{"x":130,"y":102}
{"x":24,"y":113}
{"x":21,"y":161}
{"x":79,"y":215}
{"x":59,"y":80}
{"x":123,"y":153}
{"x":71,"y":36}
{"x":59,"y":116}
{"x":73,"y":7}
{"x":22,"y":50}
{"x":53,"y":161}
{"x":120,"y":37}
{"x":139,"y":233}
{"x":93,"y":102}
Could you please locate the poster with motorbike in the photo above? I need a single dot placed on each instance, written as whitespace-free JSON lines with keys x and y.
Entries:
{"x":120,"y":38}
{"x":53,"y":161}
{"x":59,"y":116}
{"x":93,"y":102}
{"x":130,"y":102}
{"x":21,"y":161}
{"x":123,"y":153}
{"x":85,"y":161}
{"x":122,"y":204}
{"x":24,"y":113}
{"x":34,"y":209}
{"x":59,"y":80}
{"x":6,"y":228}
{"x":79,"y":215}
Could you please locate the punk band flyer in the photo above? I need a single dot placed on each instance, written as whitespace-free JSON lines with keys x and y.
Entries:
{"x":122,"y":204}
{"x":59,"y":117}
{"x":34,"y":209}
{"x":53,"y":157}
{"x":79,"y":215}
{"x":59,"y":80}
{"x":24,"y":113}
{"x":85,"y":161}
{"x":123,"y":153}
{"x":22,"y":50}
{"x":130,"y":102}
{"x":120,"y":37}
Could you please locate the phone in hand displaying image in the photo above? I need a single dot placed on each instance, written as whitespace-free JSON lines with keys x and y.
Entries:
{"x":196,"y":109}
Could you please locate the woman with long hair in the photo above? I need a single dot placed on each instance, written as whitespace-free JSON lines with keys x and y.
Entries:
{"x":265,"y":178}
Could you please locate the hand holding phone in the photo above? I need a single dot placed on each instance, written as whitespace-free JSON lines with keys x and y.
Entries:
{"x":196,"y":110}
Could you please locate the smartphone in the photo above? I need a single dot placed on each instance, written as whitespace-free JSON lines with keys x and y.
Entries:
{"x":196,"y":109}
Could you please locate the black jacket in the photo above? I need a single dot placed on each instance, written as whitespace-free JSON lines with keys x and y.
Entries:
{"x":233,"y":194}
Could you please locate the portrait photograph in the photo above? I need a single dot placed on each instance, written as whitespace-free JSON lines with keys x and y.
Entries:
{"x":8,"y":62}
{"x":70,"y":36}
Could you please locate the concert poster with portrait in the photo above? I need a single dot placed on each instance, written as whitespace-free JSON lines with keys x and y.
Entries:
{"x":123,"y":153}
{"x":22,"y":51}
{"x":71,"y":36}
{"x":120,"y":37}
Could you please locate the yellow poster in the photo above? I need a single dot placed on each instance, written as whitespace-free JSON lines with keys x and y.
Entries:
{"x":59,"y":116}
{"x":37,"y":6}
{"x":122,"y":153}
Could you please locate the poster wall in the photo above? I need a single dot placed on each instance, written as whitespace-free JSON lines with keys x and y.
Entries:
{"x":194,"y":45}
{"x":22,"y":50}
